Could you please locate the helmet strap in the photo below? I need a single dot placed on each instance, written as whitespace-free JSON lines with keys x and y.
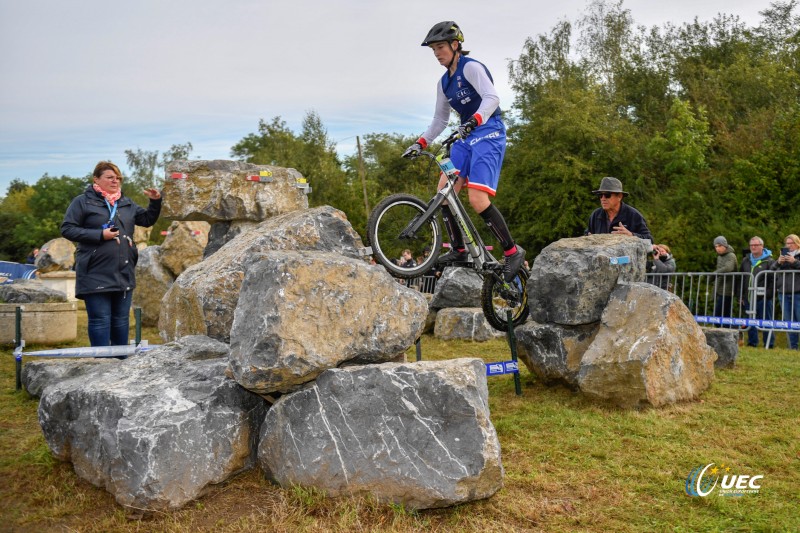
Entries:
{"x":454,"y":58}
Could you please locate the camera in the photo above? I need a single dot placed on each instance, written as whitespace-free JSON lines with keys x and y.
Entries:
{"x":784,"y":251}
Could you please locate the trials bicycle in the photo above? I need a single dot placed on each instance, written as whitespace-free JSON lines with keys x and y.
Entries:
{"x":403,"y":221}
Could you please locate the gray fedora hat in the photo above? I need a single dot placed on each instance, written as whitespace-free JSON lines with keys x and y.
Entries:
{"x":609,"y":184}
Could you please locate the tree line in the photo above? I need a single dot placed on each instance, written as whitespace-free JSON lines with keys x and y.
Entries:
{"x":701,"y":122}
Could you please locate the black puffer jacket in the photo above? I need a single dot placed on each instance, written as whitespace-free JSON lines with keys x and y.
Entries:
{"x":105,"y":266}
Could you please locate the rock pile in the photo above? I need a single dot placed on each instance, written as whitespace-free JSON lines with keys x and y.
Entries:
{"x":285,"y":319}
{"x":599,"y":328}
{"x":159,"y":265}
{"x":456,"y":303}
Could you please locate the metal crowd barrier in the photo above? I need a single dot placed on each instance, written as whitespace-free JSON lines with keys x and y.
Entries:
{"x":738,"y":299}
{"x":425,"y":284}
{"x":774,"y":297}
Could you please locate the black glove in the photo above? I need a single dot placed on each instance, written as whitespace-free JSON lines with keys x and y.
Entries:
{"x":465,"y":129}
{"x":413,"y":150}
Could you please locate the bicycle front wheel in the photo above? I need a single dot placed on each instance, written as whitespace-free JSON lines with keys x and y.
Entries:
{"x":385,"y":232}
{"x":497,"y":300}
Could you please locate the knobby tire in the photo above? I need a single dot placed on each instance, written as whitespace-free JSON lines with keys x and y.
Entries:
{"x":495,"y":306}
{"x":390,"y":217}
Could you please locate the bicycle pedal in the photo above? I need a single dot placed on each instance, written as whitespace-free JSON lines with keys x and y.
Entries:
{"x":464,"y":264}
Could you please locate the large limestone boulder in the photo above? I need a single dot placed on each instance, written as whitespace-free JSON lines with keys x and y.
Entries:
{"x":24,"y":291}
{"x":726,"y":343}
{"x":203,"y":298}
{"x":465,"y":323}
{"x":648,"y":350}
{"x":183,"y":246}
{"x":156,"y":429}
{"x":153,"y":281}
{"x":571,"y":279}
{"x":300,"y":314}
{"x":40,"y":373}
{"x":552,"y":352}
{"x":219,"y":190}
{"x":54,"y":255}
{"x":414,"y":434}
{"x":458,"y":287}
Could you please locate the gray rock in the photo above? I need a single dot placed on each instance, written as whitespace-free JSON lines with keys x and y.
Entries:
{"x":38,"y":374}
{"x":726,"y":343}
{"x":302,"y":313}
{"x":156,"y":429}
{"x":219,"y":190}
{"x":571,"y":279}
{"x":141,"y":235}
{"x":648,"y":350}
{"x":223,"y":232}
{"x":552,"y":352}
{"x":458,"y":287}
{"x":54,"y":255}
{"x":29,"y":292}
{"x":203,"y":298}
{"x":466,"y":323}
{"x":415,"y":434}
{"x":153,"y":280}
{"x":183,"y":246}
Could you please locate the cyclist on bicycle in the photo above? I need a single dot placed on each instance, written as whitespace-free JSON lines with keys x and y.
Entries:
{"x":468,"y":88}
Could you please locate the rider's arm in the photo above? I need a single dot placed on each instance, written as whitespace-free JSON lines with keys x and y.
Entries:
{"x":440,"y":118}
{"x":477,"y":77}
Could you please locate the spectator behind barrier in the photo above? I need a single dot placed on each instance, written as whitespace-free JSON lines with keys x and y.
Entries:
{"x":758,"y":260}
{"x":787,"y":283}
{"x":663,"y":263}
{"x":723,"y":287}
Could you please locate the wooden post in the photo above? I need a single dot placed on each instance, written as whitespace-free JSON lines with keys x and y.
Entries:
{"x":361,"y":174}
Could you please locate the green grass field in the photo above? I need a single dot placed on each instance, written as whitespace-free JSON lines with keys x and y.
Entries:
{"x":570,"y":465}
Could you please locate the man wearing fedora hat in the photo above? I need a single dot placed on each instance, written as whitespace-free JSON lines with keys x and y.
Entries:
{"x":615,"y":216}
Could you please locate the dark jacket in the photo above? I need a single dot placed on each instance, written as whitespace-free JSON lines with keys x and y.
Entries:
{"x":629,"y":216}
{"x":105,"y":266}
{"x":765,"y":284}
{"x":787,"y":279}
{"x":725,"y":263}
{"x":665,"y":266}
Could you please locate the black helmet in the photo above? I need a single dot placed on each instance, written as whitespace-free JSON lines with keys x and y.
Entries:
{"x":444,"y":31}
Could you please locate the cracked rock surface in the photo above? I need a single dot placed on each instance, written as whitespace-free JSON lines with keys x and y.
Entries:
{"x":417,"y":434}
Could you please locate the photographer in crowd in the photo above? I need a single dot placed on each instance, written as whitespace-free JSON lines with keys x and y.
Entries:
{"x":663,"y":263}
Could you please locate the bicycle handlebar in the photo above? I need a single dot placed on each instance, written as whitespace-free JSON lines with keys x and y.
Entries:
{"x":447,"y":143}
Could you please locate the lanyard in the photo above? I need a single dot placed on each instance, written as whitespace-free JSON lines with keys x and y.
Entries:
{"x":112,"y":211}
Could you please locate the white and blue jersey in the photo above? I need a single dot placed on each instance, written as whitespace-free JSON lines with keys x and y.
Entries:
{"x":470,"y":92}
{"x":462,"y":96}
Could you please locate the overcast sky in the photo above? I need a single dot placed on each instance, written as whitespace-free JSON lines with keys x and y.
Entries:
{"x":84,"y":80}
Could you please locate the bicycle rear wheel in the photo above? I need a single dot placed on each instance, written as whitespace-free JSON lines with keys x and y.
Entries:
{"x":497,"y":300}
{"x":388,"y":220}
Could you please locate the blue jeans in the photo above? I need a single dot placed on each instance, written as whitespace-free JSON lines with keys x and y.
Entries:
{"x":790,"y":304}
{"x":763,"y":312}
{"x":108,"y":314}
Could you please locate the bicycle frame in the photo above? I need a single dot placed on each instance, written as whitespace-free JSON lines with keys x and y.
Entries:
{"x":483,"y":260}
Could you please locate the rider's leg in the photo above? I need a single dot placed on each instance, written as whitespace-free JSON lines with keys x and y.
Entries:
{"x":515,"y":255}
{"x":457,"y":251}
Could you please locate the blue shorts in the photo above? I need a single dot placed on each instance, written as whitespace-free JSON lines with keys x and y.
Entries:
{"x":480,"y":156}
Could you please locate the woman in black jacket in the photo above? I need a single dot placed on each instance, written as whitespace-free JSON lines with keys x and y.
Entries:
{"x":101,"y":221}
